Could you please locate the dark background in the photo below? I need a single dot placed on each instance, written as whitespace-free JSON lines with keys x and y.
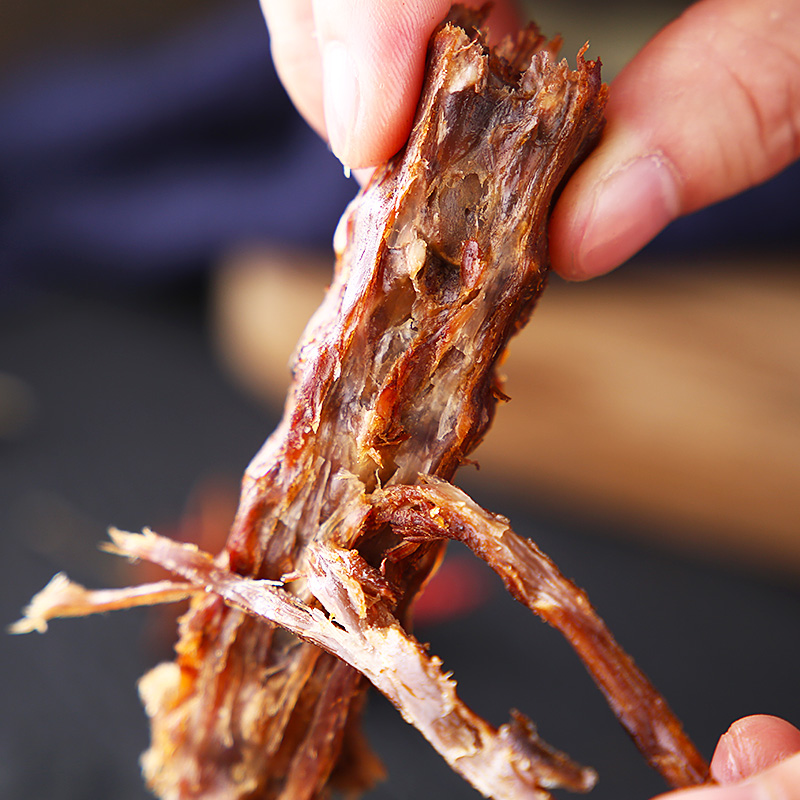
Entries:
{"x":132,"y":411}
{"x":136,"y":148}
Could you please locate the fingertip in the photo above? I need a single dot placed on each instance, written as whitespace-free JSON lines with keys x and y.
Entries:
{"x":612,"y":208}
{"x":753,"y":744}
{"x":682,"y":132}
{"x":368,"y":115}
{"x":373,"y":63}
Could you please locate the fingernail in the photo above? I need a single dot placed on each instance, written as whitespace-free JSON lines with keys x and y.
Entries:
{"x":631,"y":205}
{"x":341,"y":98}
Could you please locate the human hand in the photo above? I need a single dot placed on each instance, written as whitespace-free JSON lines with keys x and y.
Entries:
{"x":757,"y":758}
{"x":710,"y":107}
{"x":354,"y":68}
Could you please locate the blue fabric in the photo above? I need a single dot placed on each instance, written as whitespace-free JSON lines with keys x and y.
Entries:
{"x":142,"y":165}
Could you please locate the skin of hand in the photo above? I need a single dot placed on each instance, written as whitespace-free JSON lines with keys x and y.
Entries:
{"x":758,"y":758}
{"x":709,"y":107}
{"x":354,"y":68}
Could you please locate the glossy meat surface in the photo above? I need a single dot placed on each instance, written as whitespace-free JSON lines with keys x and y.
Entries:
{"x":440,"y":260}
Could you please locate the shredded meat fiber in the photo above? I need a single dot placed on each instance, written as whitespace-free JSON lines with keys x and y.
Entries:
{"x":346,"y":509}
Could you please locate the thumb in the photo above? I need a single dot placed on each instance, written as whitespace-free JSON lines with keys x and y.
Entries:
{"x":779,"y":782}
{"x":373,"y":59}
{"x":373,"y":56}
{"x":751,"y":745}
{"x":757,"y":758}
{"x":710,"y":107}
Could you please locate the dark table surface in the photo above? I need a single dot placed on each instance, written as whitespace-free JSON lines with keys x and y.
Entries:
{"x":130,"y":410}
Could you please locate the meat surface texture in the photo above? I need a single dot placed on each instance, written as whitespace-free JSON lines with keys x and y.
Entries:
{"x":346,"y":509}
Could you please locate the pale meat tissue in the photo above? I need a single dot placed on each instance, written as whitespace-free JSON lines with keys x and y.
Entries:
{"x":346,"y":509}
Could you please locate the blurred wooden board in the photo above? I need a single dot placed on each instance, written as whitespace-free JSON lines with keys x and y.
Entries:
{"x":667,"y":401}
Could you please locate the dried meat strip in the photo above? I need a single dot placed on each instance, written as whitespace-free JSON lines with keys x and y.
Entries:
{"x":440,"y":260}
{"x":356,"y":625}
{"x":436,"y":509}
